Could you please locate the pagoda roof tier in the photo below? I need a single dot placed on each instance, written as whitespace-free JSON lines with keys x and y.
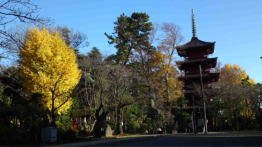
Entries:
{"x":182,"y":65}
{"x":195,"y":45}
{"x":207,"y":77}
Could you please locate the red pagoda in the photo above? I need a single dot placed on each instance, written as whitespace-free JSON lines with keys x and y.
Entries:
{"x":197,"y":75}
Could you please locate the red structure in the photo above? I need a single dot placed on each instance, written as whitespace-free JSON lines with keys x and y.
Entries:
{"x":197,"y":74}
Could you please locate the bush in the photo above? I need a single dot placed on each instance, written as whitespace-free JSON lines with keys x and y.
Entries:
{"x":21,"y":120}
{"x":133,"y":127}
{"x":14,"y":136}
{"x":67,"y":136}
{"x":83,"y":133}
{"x":63,"y":122}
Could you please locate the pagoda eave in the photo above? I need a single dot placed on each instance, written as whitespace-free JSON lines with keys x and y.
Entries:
{"x":189,"y":51}
{"x":196,"y":43}
{"x":183,"y":65}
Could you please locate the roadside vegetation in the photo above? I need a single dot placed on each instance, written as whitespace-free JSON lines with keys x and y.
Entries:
{"x":134,"y":91}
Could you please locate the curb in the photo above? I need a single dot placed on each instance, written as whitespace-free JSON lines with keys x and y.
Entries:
{"x":104,"y":141}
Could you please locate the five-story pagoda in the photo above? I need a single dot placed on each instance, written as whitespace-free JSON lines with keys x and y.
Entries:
{"x":197,"y":75}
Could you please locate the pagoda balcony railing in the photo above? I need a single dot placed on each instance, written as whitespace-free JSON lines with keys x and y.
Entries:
{"x":187,"y":59}
{"x":195,"y":59}
{"x":196,"y":71}
{"x":197,"y":74}
{"x":183,"y":74}
{"x":205,"y":62}
{"x":207,"y":77}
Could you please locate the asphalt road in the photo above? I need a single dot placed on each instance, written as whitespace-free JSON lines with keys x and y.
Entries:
{"x":189,"y":141}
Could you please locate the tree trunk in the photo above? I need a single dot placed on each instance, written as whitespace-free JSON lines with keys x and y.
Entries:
{"x":237,"y":123}
{"x":119,"y":127}
{"x":168,"y":114}
{"x":167,"y":86}
{"x":53,"y":110}
{"x":100,"y":123}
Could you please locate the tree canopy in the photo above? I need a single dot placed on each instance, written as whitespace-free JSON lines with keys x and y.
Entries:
{"x":48,"y":66}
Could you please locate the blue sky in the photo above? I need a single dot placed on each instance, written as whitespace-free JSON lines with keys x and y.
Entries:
{"x":235,"y":25}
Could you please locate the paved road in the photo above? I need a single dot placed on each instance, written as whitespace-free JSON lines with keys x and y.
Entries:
{"x":188,"y":141}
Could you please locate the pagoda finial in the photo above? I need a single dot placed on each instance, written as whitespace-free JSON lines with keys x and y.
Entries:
{"x":193,"y":24}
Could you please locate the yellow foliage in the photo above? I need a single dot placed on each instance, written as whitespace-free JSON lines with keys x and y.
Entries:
{"x":234,"y":74}
{"x":164,"y":78}
{"x":247,"y":111}
{"x":48,"y":66}
{"x":157,"y":58}
{"x":252,"y":82}
{"x":232,"y":77}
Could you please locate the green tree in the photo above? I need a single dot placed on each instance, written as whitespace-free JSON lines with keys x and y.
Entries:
{"x":76,"y":40}
{"x":131,"y":37}
{"x":231,"y":100}
{"x":22,"y":115}
{"x":258,"y":104}
{"x":93,"y":90}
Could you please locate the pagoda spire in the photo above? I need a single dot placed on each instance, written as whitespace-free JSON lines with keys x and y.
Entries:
{"x":193,"y":24}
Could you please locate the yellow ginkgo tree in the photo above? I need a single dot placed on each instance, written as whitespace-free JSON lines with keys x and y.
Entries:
{"x":235,"y":93}
{"x":49,"y":67}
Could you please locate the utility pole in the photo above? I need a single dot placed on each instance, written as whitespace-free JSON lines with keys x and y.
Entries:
{"x":194,"y":116}
{"x":204,"y":101}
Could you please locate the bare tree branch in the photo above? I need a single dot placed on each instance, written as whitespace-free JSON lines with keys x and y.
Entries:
{"x":20,"y":11}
